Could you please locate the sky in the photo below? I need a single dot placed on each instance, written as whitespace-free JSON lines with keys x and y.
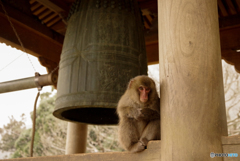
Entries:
{"x":15,"y":64}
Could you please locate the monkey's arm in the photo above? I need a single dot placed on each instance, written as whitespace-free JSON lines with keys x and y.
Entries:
{"x":149,"y":114}
{"x":130,"y":112}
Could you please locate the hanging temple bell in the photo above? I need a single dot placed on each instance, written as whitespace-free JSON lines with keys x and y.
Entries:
{"x":103,"y":49}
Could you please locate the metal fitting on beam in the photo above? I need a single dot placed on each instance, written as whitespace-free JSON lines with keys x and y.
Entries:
{"x":32,"y":82}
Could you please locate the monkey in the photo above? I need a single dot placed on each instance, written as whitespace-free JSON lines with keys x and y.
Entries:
{"x":139,"y":114}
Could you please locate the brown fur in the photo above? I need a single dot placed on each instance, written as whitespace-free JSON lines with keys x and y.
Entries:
{"x":139,"y":122}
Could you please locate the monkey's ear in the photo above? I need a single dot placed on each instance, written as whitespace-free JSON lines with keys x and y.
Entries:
{"x":130,"y":83}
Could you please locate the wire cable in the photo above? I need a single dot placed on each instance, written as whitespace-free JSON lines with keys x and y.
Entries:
{"x":14,"y":30}
{"x":11,"y":62}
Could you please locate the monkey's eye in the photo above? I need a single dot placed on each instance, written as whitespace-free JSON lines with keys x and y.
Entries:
{"x":140,"y":88}
{"x":147,"y":90}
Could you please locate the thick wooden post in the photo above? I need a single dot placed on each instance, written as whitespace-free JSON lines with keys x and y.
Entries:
{"x":76,"y":138}
{"x":193,"y":117}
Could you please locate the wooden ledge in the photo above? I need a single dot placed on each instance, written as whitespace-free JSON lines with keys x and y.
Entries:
{"x":231,"y":140}
{"x":150,"y":154}
{"x":230,"y":144}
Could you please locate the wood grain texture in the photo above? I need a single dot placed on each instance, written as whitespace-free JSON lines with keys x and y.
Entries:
{"x":231,"y":140}
{"x":231,"y":144}
{"x":150,"y":154}
{"x":192,"y":97}
{"x":76,"y":138}
{"x":231,"y":149}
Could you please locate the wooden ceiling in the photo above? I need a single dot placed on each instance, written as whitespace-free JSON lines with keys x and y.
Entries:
{"x":41,"y":25}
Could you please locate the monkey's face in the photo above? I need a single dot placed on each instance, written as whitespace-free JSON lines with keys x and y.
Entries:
{"x":141,"y":90}
{"x":143,"y":93}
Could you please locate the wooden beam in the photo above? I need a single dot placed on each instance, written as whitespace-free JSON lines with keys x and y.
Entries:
{"x":50,"y":65}
{"x":76,"y":138}
{"x":150,"y":5}
{"x":152,"y":53}
{"x":31,"y":23}
{"x":229,"y":21}
{"x":54,"y":6}
{"x":230,"y":42}
{"x":193,"y":117}
{"x":34,"y":44}
{"x":231,"y":144}
{"x":150,"y":154}
{"x":37,"y":39}
{"x":222,"y":8}
{"x":151,"y":41}
{"x":231,"y":7}
{"x":151,"y":35}
{"x":231,"y":140}
{"x":230,"y":38}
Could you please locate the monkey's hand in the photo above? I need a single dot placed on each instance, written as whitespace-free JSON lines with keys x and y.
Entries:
{"x":144,"y":141}
{"x":130,"y":112}
{"x":138,"y":115}
{"x":134,"y":113}
{"x":149,"y":114}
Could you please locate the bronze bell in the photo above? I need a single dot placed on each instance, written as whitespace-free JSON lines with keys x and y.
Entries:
{"x":103,"y":49}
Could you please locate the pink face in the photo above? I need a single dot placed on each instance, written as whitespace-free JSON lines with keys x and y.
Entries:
{"x":144,"y":91}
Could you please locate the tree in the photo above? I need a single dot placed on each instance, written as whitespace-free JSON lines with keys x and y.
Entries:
{"x":10,"y":133}
{"x":232,"y":98}
{"x":102,"y":139}
{"x":232,"y":90}
{"x":50,"y":134}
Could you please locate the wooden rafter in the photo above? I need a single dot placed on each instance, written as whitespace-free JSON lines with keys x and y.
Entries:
{"x":49,"y":30}
{"x":38,"y":39}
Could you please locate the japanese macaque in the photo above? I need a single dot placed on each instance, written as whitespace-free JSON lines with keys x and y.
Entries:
{"x":139,"y":114}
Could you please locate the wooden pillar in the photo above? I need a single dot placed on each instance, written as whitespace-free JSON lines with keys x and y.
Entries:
{"x":193,"y":116}
{"x":76,"y":138}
